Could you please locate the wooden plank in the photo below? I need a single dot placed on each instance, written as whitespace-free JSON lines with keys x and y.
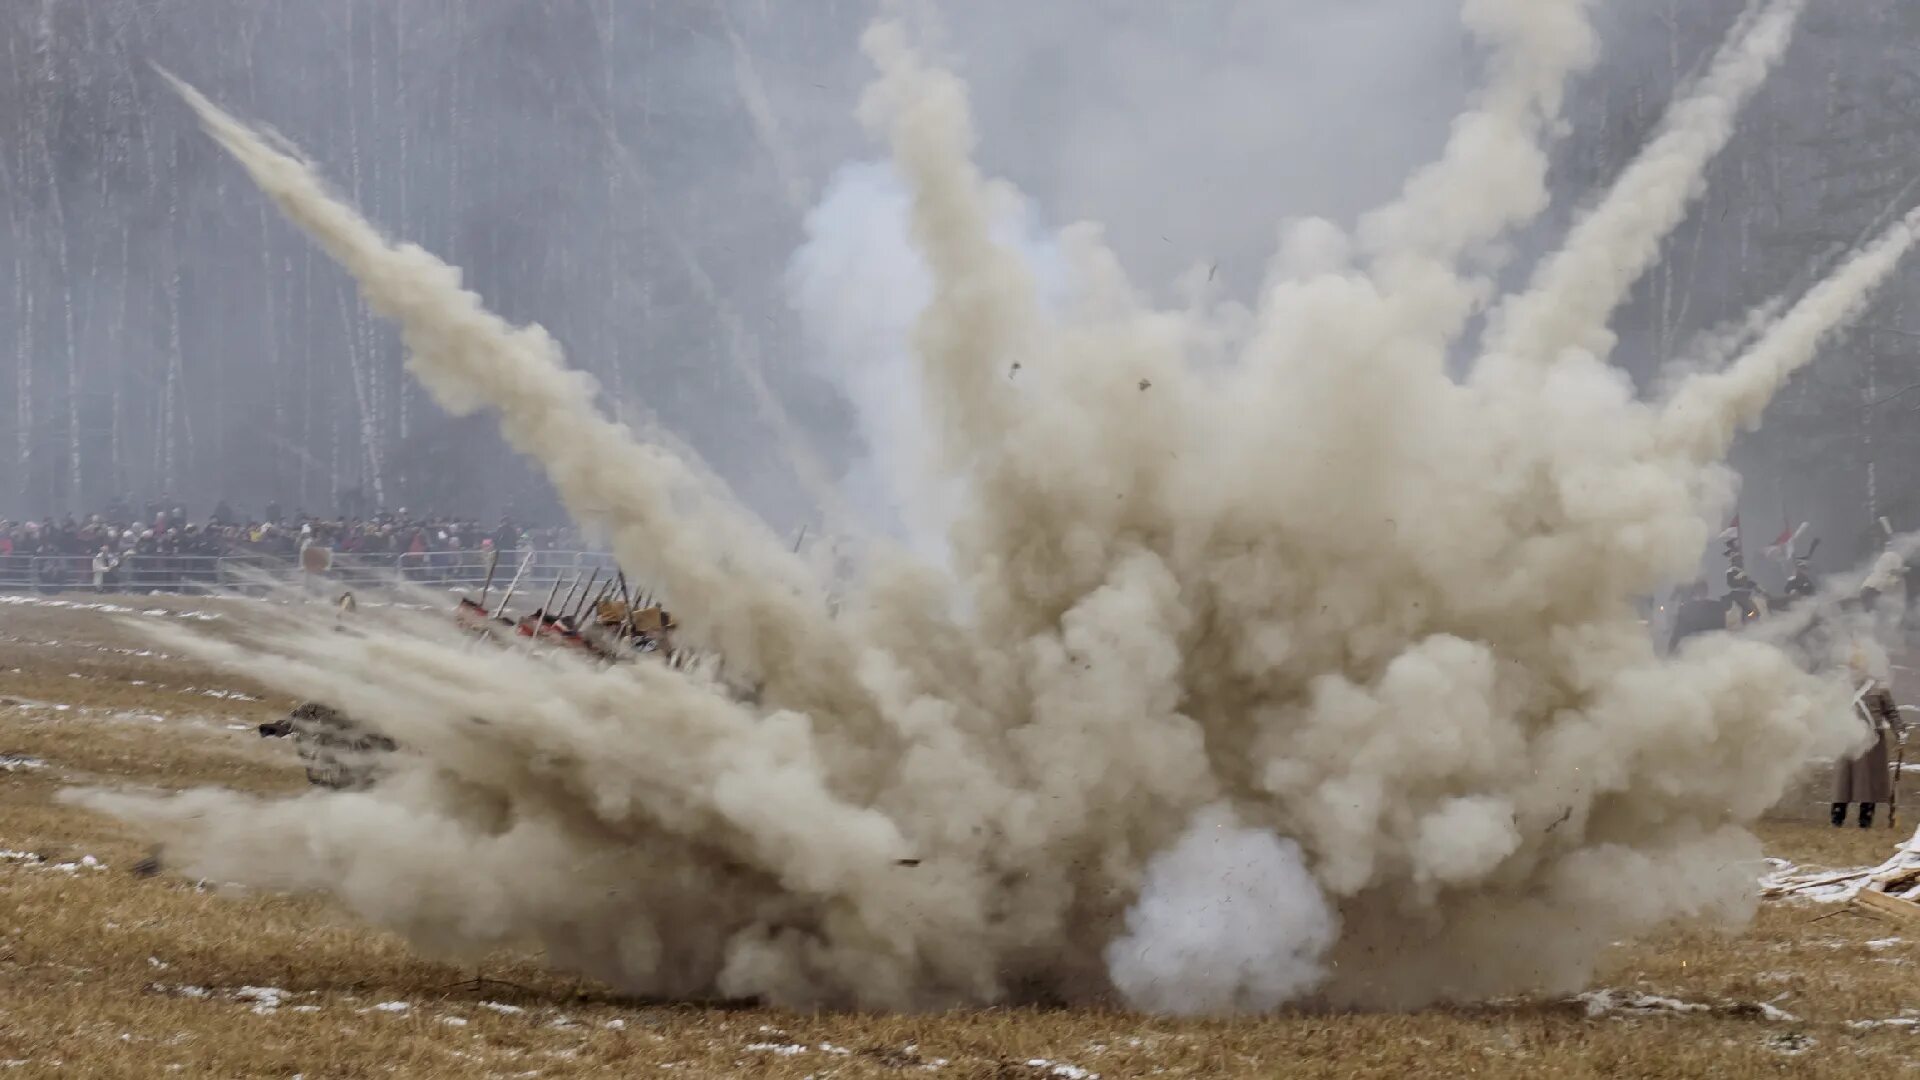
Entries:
{"x":1888,"y":905}
{"x":1898,"y":880}
{"x":1828,"y":879}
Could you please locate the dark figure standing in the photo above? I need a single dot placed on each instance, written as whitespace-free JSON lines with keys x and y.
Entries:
{"x":1697,"y":614}
{"x":1867,"y":779}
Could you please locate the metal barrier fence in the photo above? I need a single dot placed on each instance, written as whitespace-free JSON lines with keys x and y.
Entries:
{"x":260,"y":573}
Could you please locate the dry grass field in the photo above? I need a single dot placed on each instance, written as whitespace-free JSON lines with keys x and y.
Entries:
{"x":104,"y":973}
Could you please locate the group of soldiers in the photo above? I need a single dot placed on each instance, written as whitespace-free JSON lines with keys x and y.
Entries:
{"x":1867,"y":779}
{"x":610,"y":626}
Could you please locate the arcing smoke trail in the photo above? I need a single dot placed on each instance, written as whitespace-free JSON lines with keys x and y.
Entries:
{"x":1330,"y":637}
{"x":1492,"y":176}
{"x":1704,"y":412}
{"x":468,"y":358}
{"x":1612,"y":246}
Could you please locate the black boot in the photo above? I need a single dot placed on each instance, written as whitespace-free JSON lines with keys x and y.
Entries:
{"x":1866,"y":815}
{"x":1839,"y":814}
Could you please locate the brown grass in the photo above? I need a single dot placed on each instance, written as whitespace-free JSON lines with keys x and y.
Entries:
{"x":92,"y":962}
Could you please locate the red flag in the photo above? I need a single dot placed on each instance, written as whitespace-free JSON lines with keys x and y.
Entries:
{"x":1780,"y":546}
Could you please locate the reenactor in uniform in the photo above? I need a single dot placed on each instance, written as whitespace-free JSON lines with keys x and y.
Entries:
{"x":1800,"y":583}
{"x":338,"y":754}
{"x":1867,"y":778}
{"x":1697,"y":613}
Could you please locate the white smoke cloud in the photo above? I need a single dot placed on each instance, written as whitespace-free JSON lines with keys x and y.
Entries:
{"x":1269,"y":569}
{"x":859,"y":286}
{"x":1229,"y":920}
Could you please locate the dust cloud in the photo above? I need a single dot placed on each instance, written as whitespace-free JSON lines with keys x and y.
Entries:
{"x":1254,"y":607}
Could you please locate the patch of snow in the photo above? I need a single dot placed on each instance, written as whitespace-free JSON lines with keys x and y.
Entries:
{"x":454,"y":1021}
{"x":225,"y":695}
{"x":1883,"y":943}
{"x":39,"y":862}
{"x":1791,"y":1043}
{"x":156,"y":963}
{"x":1896,"y":1022}
{"x":265,"y":999}
{"x":1634,"y":1003}
{"x":181,"y":991}
{"x":306,"y":1008}
{"x":829,"y":1048}
{"x":616,"y":1025}
{"x":110,"y":609}
{"x":1065,"y":1072}
{"x":502,"y":1009}
{"x":782,"y":1049}
{"x":390,"y":1007}
{"x":19,"y":763}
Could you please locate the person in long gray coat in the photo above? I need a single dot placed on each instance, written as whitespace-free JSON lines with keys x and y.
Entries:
{"x":1867,"y":779}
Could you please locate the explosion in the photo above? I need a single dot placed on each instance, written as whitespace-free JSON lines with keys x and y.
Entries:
{"x":1267,"y":661}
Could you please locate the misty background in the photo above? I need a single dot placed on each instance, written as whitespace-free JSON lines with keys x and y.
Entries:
{"x":638,"y":176}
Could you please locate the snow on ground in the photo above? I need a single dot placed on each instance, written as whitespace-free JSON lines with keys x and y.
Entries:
{"x":33,"y":860}
{"x":1625,"y":1003}
{"x":1791,"y":1043}
{"x":1064,"y":1071}
{"x":1908,"y":1021}
{"x":1789,"y":881}
{"x":264,"y":999}
{"x":19,"y":763}
{"x":51,"y":643}
{"x":1898,"y":876}
{"x":227,"y":695}
{"x":29,"y":600}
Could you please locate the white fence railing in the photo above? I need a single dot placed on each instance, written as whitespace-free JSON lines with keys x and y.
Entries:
{"x":257,"y":573}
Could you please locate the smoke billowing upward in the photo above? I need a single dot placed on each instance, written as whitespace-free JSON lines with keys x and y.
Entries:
{"x":1308,"y":628}
{"x":1228,"y":920}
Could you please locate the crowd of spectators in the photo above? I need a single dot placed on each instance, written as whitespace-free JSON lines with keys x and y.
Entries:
{"x":77,"y":549}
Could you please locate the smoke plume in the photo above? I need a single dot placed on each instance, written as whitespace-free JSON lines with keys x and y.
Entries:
{"x":1303,"y":672}
{"x":1228,"y":920}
